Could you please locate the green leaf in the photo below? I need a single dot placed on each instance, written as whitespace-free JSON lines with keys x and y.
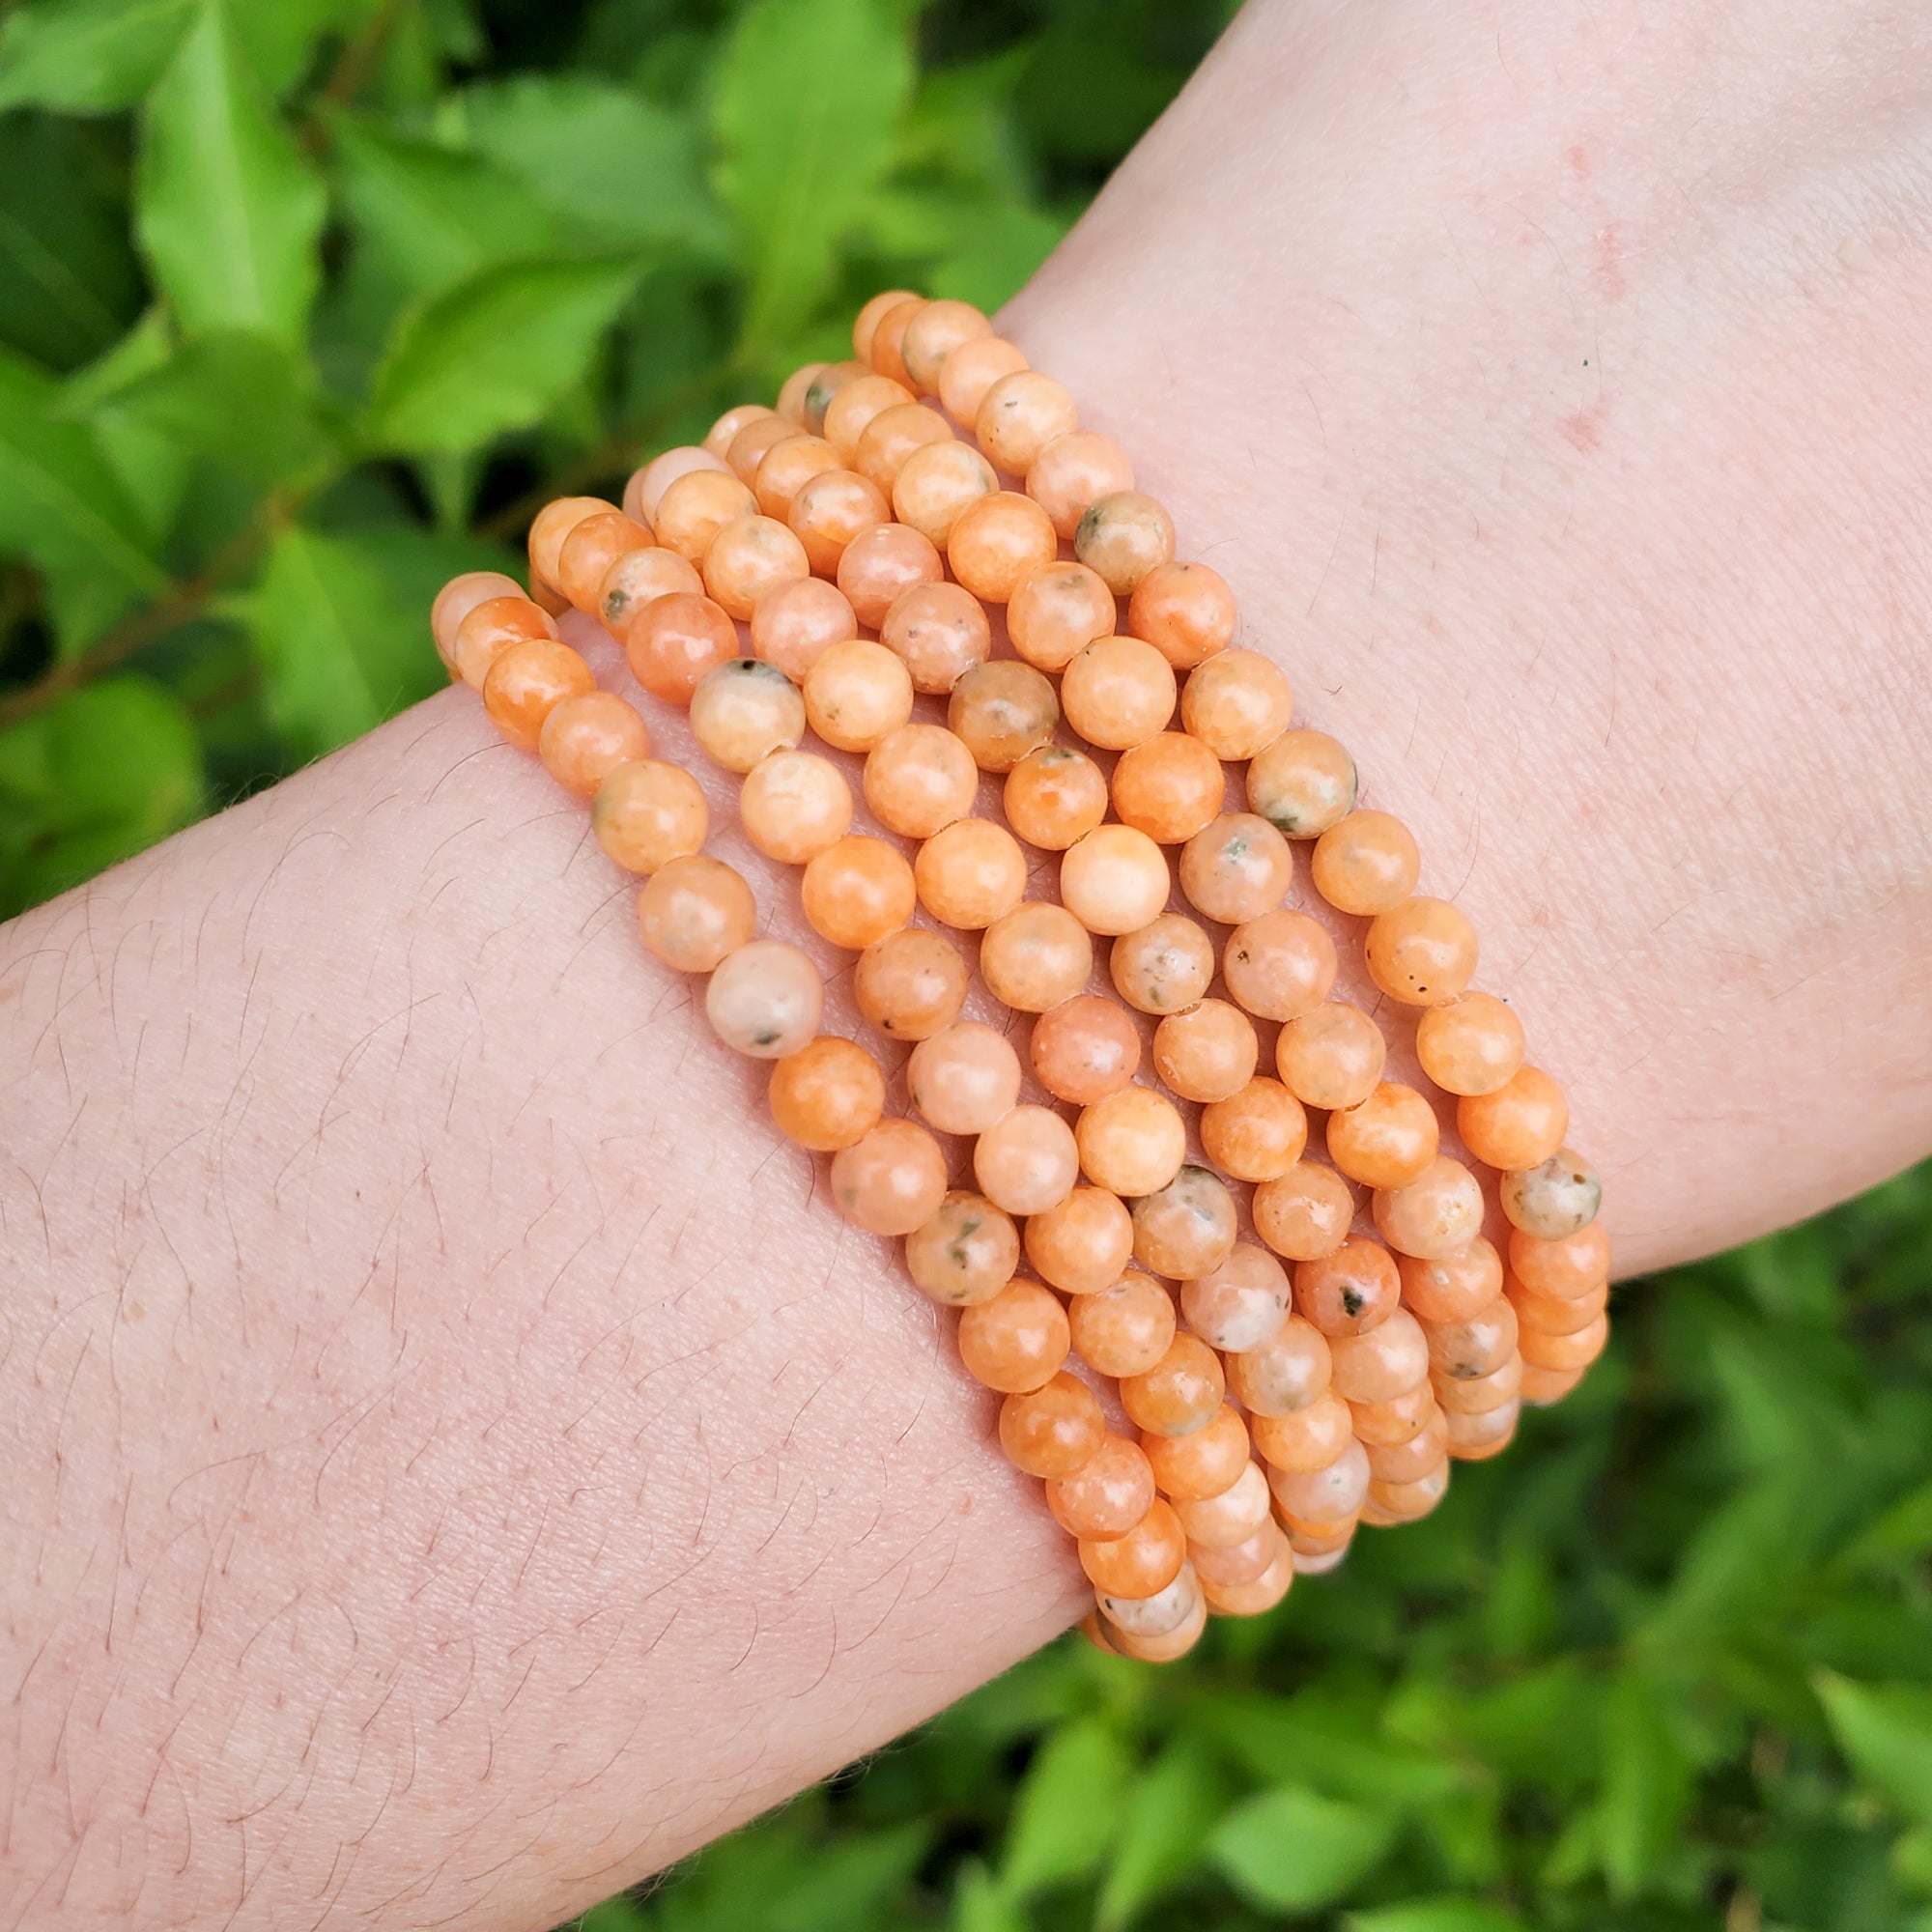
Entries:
{"x":979,"y":1905}
{"x":1169,"y":1813}
{"x":88,"y":56}
{"x":998,"y":257}
{"x":808,"y":99}
{"x":850,"y":1879}
{"x":1646,"y":1787}
{"x":1435,"y":1915}
{"x":1292,"y":1850}
{"x":622,"y":1913}
{"x":279,"y":37}
{"x":152,"y":465}
{"x":1067,"y":1810}
{"x":495,"y":352}
{"x":1884,"y":1731}
{"x":227,"y":209}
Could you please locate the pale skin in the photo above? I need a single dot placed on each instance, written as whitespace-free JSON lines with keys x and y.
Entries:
{"x":453,"y":1463}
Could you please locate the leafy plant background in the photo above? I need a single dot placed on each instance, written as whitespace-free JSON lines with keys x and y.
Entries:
{"x":305,"y":304}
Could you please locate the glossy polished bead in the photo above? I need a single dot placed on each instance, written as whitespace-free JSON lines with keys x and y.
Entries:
{"x":825,"y":384}
{"x":1115,"y":880}
{"x":1107,"y":1494}
{"x":1237,"y":704}
{"x":1221,"y":1521}
{"x":1194,"y":1464}
{"x":1084,"y":1049}
{"x":1478,"y":1346}
{"x":1398,"y":1420}
{"x":1167,"y":965}
{"x":1520,"y":1124}
{"x":856,"y":694}
{"x":694,"y":911}
{"x":891,"y":437}
{"x":1002,"y":711}
{"x":1405,"y":1462}
{"x":1553,"y":1316}
{"x":591,"y":549}
{"x":853,"y":408}
{"x":1027,"y":1162}
{"x":869,"y":318}
{"x":1328,"y":1496}
{"x":1182,"y":1392}
{"x":1207,"y":1052}
{"x":1186,"y":611}
{"x":827,"y":1095}
{"x":1287,"y":1371}
{"x":831,"y":512}
{"x":1169,"y":787}
{"x":1540,"y":1387}
{"x":1382,"y":1362}
{"x":1438,"y":1214}
{"x":1305,"y":1438}
{"x":964,"y":1252}
{"x":784,"y":467}
{"x":1237,"y":868}
{"x":756,"y":439}
{"x":910,"y":984}
{"x":1388,"y":1141}
{"x":1016,"y":1340}
{"x":880,"y":565}
{"x":1243,"y":1304}
{"x":1019,"y":415}
{"x":1331,"y":1058}
{"x":794,"y":625}
{"x":1145,"y":1560}
{"x":647,"y":813}
{"x":645,"y":490}
{"x":1544,"y":1349}
{"x":550,"y":528}
{"x":587,"y":737}
{"x":461,"y":594}
{"x":919,"y":780}
{"x":489,"y":628}
{"x":1054,"y":797}
{"x":696,"y":507}
{"x":1421,"y":951}
{"x":1568,"y":1267}
{"x":1258,"y":1598}
{"x":1082,"y":1245}
{"x":1305,"y":1213}
{"x":1470,"y":1044}
{"x":969,"y":873}
{"x":997,"y":542}
{"x":1474,"y":1438}
{"x":970,"y":370}
{"x":635,"y":579}
{"x":1365,"y":864}
{"x":1035,"y":957}
{"x":1132,"y":1143}
{"x":1157,"y":1629}
{"x":1052,"y":1431}
{"x":1187,"y":1229}
{"x":964,"y":1077}
{"x":1302,"y":783}
{"x":1239,"y":1563}
{"x":742,"y":711}
{"x":891,"y":1180}
{"x":718,"y":437}
{"x":1258,"y":1134}
{"x":794,"y":805}
{"x":1125,"y":1328}
{"x":1072,"y":472}
{"x":1452,"y":1288}
{"x":1117,"y":692}
{"x":765,"y":997}
{"x":857,"y":892}
{"x":1123,"y":537}
{"x":1477,"y":1395}
{"x":937,"y":485}
{"x":1280,"y":965}
{"x":1554,"y":1200}
{"x":940,"y":632}
{"x":888,"y":337}
{"x":1352,"y":1290}
{"x":1410,"y":1502}
{"x":674,"y":640}
{"x":1061,"y":608}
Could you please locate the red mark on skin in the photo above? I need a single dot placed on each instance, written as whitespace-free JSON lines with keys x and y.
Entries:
{"x":1610,"y":262}
{"x":1584,"y":430}
{"x":1580,"y":161}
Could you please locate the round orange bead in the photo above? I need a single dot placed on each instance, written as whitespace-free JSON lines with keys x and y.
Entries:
{"x":550,"y":528}
{"x":1131,"y":1143}
{"x":1478,"y":1395}
{"x":742,"y":711}
{"x":1072,"y":472}
{"x":718,"y":437}
{"x":1237,"y":704}
{"x":1054,"y":1431}
{"x":941,"y":633}
{"x":891,"y":437}
{"x":1167,"y":965}
{"x":1305,"y":1438}
{"x":1304,"y":1213}
{"x":965,"y":1252}
{"x":644,"y":491}
{"x":674,"y":640}
{"x":1084,"y":1049}
{"x":1187,"y":1230}
{"x":756,"y":439}
{"x":853,"y":408}
{"x":1287,"y":1371}
{"x":1170,"y":787}
{"x":1405,"y":1461}
{"x":1236,"y":868}
{"x":1206,"y":1052}
{"x":828,"y":1095}
{"x":460,"y":596}
{"x":1035,"y":956}
{"x":857,"y":891}
{"x":1400,"y":1420}
{"x":1302,"y":783}
{"x":589,"y":551}
{"x":695,"y":911}
{"x":587,"y":737}
{"x":1146,"y":1560}
{"x":910,"y":984}
{"x":1474,"y":1438}
{"x":1520,"y":1124}
{"x":891,"y":1179}
{"x":634,"y":578}
{"x":1366,"y":862}
{"x":784,"y":467}
{"x":1107,"y":1494}
{"x":997,"y":542}
{"x":1115,"y":880}
{"x":1257,"y":1134}
{"x":1329,"y":1495}
{"x":765,"y":997}
{"x":890,"y":335}
{"x":1082,"y":1244}
{"x":1438,"y":1214}
{"x":869,"y":318}
{"x":1192,"y":1464}
{"x":1182,"y":1392}
{"x":1221,"y":1521}
{"x":1388,"y":1141}
{"x":1382,"y":1362}
{"x":1452,"y":1287}
{"x":880,"y":565}
{"x":1015,"y":1340}
{"x":795,"y":624}
{"x":528,"y":681}
{"x":829,"y":377}
{"x":647,"y":813}
{"x":1421,"y":951}
{"x":749,"y":558}
{"x":1555,"y":1317}
{"x":794,"y":805}
{"x":1570,"y":1266}
{"x":933,"y":333}
{"x":1054,"y":797}
{"x":937,"y":484}
{"x":489,"y":628}
{"x":1331,"y":1058}
{"x":970,"y":370}
{"x":1123,"y":1329}
{"x":969,"y":873}
{"x":1185,"y":610}
{"x":1242,"y":1305}
{"x":1555,"y":1199}
{"x":1123,"y":538}
{"x":1477,"y":1346}
{"x":1002,"y":711}
{"x":857,"y":694}
{"x":1349,"y":1292}
{"x":1117,"y":692}
{"x":1280,"y":965}
{"x":696,"y":507}
{"x":1241,"y":1563}
{"x":1056,"y":612}
{"x":1026,"y":1162}
{"x":919,"y":780}
{"x":1019,"y":415}
{"x":1470,"y":1044}
{"x":831,"y":512}
{"x":964,"y":1078}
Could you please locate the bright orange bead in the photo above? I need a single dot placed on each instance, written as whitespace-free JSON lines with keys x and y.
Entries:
{"x":1072,"y":472}
{"x":1107,"y":1494}
{"x":853,"y":407}
{"x":1054,"y":1431}
{"x":1304,"y":1213}
{"x":634,"y":578}
{"x":1182,"y":1392}
{"x":1570,"y":1267}
{"x":1144,"y":1561}
{"x":1331,"y":1058}
{"x":937,"y":484}
{"x":969,"y":873}
{"x":1405,"y":1462}
{"x":1452,"y":1287}
{"x":1115,"y":880}
{"x":551,"y":527}
{"x":1365,"y":864}
{"x":1219,"y":1522}
{"x":1240,"y":1563}
{"x":696,"y":507}
{"x":1388,"y":1141}
{"x":589,"y":551}
{"x":1302,"y":783}
{"x":1207,"y":1052}
{"x":1019,"y":415}
{"x":489,"y":628}
{"x":1118,"y":692}
{"x":867,"y":323}
{"x":1401,"y":1419}
{"x":1237,"y":703}
{"x":528,"y":681}
{"x":744,"y":711}
{"x":1257,"y":1598}
{"x":1257,"y":1134}
{"x":1554,"y":1316}
{"x":910,"y":984}
{"x":1084,"y":1049}
{"x":1305,"y":1438}
{"x":1170,"y":787}
{"x":891,"y":1179}
{"x":933,"y":333}
{"x":750,"y":558}
{"x":645,"y":490}
{"x":971,"y":371}
{"x":1382,"y":1362}
{"x":1016,"y":1341}
{"x":1328,"y":1496}
{"x":890,"y":335}
{"x":764,"y":999}
{"x":1470,"y":1044}
{"x":941,"y":632}
{"x":1131,"y":1143}
{"x":796,"y":623}
{"x":997,"y":542}
{"x":1123,"y":1329}
{"x":1284,"y":1374}
{"x":1164,"y":967}
{"x":1081,"y":1246}
{"x":793,"y":391}
{"x":1242,"y":1306}
{"x":1474,"y":1438}
{"x":919,"y":780}
{"x":1035,"y":957}
{"x":1478,"y":1395}
{"x":674,"y":640}
{"x":857,"y":892}
{"x":1026,"y":1162}
{"x":880,"y":565}
{"x":1421,"y":951}
{"x":1438,"y":1214}
{"x":1124,"y":537}
{"x":891,"y":437}
{"x":964,"y":1078}
{"x":460,"y":596}
{"x":586,"y":738}
{"x":1187,"y":1230}
{"x":1185,"y":610}
{"x":1192,"y":1464}
{"x":647,"y":813}
{"x":693,"y":912}
{"x":1280,"y":965}
{"x":785,"y":467}
{"x":827,"y":1095}
{"x":830,"y":512}
{"x":1054,"y":797}
{"x":756,"y":439}
{"x":964,"y":1252}
{"x":718,"y":437}
{"x":1001,"y":711}
{"x":857,"y":694}
{"x":1236,"y":868}
{"x":1056,"y":612}
{"x":1554,"y":1200}
{"x":1521,"y":1124}
{"x":1351,"y":1291}
{"x":793,"y":805}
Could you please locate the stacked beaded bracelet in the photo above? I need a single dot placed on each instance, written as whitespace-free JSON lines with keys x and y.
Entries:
{"x":829,"y":513}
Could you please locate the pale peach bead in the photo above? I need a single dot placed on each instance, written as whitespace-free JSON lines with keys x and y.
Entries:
{"x":1115,"y":880}
{"x":1349,"y":1290}
{"x":1258,"y":1598}
{"x":1304,"y":1213}
{"x":797,"y":622}
{"x":891,"y":437}
{"x":1083,"y":1244}
{"x":589,"y":551}
{"x":1540,"y":1387}
{"x":1405,"y":1461}
{"x":1421,"y":951}
{"x":586,"y":738}
{"x":1118,"y":692}
{"x":1054,"y":797}
{"x":553,"y":525}
{"x":645,"y":490}
{"x":1221,"y":1521}
{"x":635,"y":579}
{"x":919,"y":780}
{"x":1027,"y":1162}
{"x":964,"y":1252}
{"x":1280,"y":965}
{"x":890,"y":335}
{"x":869,"y":318}
{"x":718,"y":437}
{"x":1382,"y":1363}
{"x":1186,"y":611}
{"x":853,"y":407}
{"x":857,"y":891}
{"x":1147,"y":1559}
{"x":1168,"y":964}
{"x":1553,"y":1315}
{"x":1237,"y":868}
{"x":528,"y":681}
{"x":1328,"y":1496}
{"x":964,"y":1078}
{"x":1072,"y":472}
{"x":1401,"y":1419}
{"x":1302,"y":783}
{"x":1257,"y":1134}
{"x":1019,"y":415}
{"x":937,"y":484}
{"x":1107,"y":1494}
{"x":827,"y":1095}
{"x":1438,"y":1214}
{"x":764,"y":998}
{"x":1453,"y":1286}
{"x":1239,"y":1563}
{"x":489,"y":628}
{"x":1171,"y":787}
{"x":1521,"y":1124}
{"x":911,"y":984}
{"x":1192,"y":1464}
{"x":1125,"y":1330}
{"x":794,"y":805}
{"x":1243,"y":1304}
{"x":1478,"y":1346}
{"x":1572,"y":1265}
{"x":744,"y":711}
{"x":1474,"y":1438}
{"x":1158,"y":1629}
{"x":1016,"y":1340}
{"x":1131,"y":1143}
{"x":1084,"y":1049}
{"x":891,"y":1179}
{"x":1237,"y":704}
{"x":1555,"y":1199}
{"x":941,"y":632}
{"x":1123,"y":538}
{"x":1366,"y":862}
{"x":756,"y":439}
{"x":969,"y":873}
{"x":1187,"y":1229}
{"x":1035,"y":957}
{"x":647,"y":813}
{"x":1477,"y":1395}
{"x":1059,"y":610}
{"x":857,"y":694}
{"x":784,"y":467}
{"x":1305,"y":1438}
{"x":1207,"y":1052}
{"x":1331,"y":1058}
{"x":1470,"y":1044}
{"x":830,"y":512}
{"x":1052,"y":1431}
{"x":880,"y":565}
{"x":997,"y":543}
{"x":1410,"y":1502}
{"x":832,"y":377}
{"x":1388,"y":1141}
{"x":1285,"y":1372}
{"x":694,"y":911}
{"x":933,"y":333}
{"x":971,"y":371}
{"x":696,"y":507}
{"x":1182,"y":1392}
{"x":749,"y":559}
{"x":460,"y":596}
{"x":1001,"y":711}
{"x":675,"y":640}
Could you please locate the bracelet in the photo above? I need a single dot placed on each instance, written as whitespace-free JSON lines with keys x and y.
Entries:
{"x":784,"y":522}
